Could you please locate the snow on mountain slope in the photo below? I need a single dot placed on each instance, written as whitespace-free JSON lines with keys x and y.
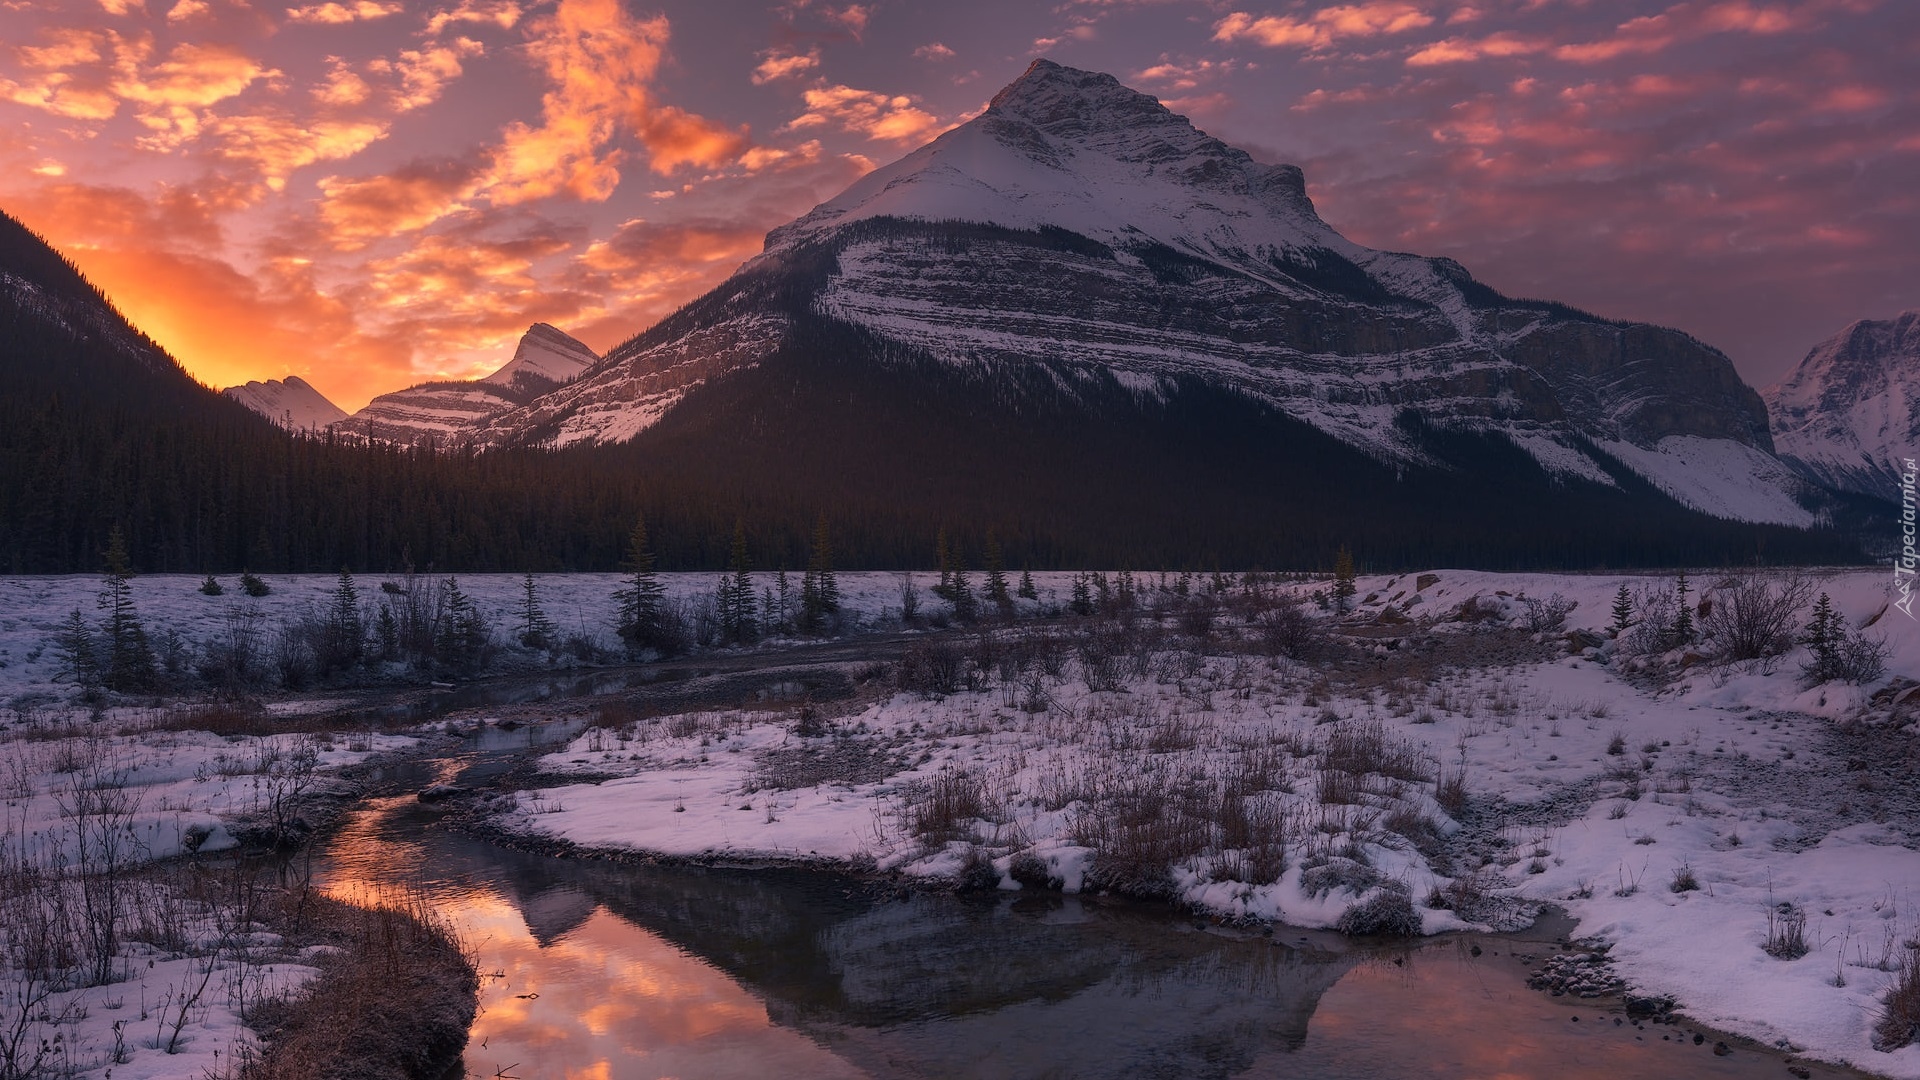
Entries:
{"x":290,"y":402}
{"x":1851,"y":411}
{"x":448,"y":412}
{"x":1080,"y":227}
{"x":1717,"y":476}
{"x":546,"y":357}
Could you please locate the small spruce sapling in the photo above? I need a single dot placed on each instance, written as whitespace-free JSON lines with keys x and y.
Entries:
{"x":536,"y":630}
{"x":1622,"y":610}
{"x":1683,"y":617}
{"x":997,"y":589}
{"x":212,"y":587}
{"x":1343,"y":580}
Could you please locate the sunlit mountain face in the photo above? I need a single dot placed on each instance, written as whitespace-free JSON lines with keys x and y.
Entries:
{"x":369,"y":194}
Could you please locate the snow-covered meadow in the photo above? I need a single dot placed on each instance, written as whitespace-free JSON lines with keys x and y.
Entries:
{"x":1671,"y":804}
{"x":108,"y":967}
{"x":1427,"y":757}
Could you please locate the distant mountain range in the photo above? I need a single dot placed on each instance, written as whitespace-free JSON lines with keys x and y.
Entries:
{"x":1851,"y":411}
{"x":290,"y":402}
{"x":1083,"y":327}
{"x":546,"y":359}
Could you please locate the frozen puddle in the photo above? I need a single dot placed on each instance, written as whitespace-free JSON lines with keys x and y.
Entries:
{"x":606,"y":971}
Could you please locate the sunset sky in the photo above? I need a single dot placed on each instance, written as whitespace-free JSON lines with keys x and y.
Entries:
{"x":370,"y":193}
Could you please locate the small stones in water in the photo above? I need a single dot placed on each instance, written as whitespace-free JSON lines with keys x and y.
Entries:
{"x":1721,"y":1049}
{"x":1698,"y":1038}
{"x":1800,"y":1072}
{"x":1581,"y":974}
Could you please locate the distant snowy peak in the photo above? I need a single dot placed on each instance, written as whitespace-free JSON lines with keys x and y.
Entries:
{"x":1076,"y":150}
{"x":547,"y":357}
{"x":1851,"y":410}
{"x":290,"y":402}
{"x":450,"y":412}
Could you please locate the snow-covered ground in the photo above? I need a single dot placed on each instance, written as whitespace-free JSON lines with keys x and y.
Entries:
{"x":1592,"y":782}
{"x":33,"y":608}
{"x":106,"y":796}
{"x":1601,"y":791}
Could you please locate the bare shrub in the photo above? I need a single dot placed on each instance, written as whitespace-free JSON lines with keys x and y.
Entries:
{"x":1287,"y":629}
{"x":932,"y":669}
{"x":1549,"y":615}
{"x":1103,"y":656}
{"x":1752,"y":617}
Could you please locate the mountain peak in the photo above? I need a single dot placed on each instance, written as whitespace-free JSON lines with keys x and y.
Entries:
{"x":547,"y":356}
{"x":291,"y":402}
{"x":1077,"y":150}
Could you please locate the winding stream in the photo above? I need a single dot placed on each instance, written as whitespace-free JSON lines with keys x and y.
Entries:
{"x":595,"y":970}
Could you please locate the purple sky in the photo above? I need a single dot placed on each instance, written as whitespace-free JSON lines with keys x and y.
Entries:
{"x":369,"y":193}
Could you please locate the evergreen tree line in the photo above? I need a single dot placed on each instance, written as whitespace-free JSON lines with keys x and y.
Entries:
{"x":100,"y":430}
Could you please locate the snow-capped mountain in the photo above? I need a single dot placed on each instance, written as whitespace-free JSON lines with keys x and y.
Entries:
{"x":290,"y":402}
{"x":1079,"y":229}
{"x":546,"y":358}
{"x":1851,"y":411}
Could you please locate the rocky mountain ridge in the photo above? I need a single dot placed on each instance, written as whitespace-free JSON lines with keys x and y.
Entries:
{"x":1080,"y":228}
{"x":1850,"y":412}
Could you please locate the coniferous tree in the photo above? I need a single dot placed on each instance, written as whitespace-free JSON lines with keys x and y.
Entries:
{"x":343,"y":634}
{"x":536,"y":630}
{"x":1622,"y":609}
{"x":386,"y":631}
{"x":129,"y":663}
{"x":1683,"y":618}
{"x":997,"y":588}
{"x":252,"y":585}
{"x":460,"y":640}
{"x":642,"y":599}
{"x":737,"y":620}
{"x":966,"y":607}
{"x":1343,"y":583}
{"x":1082,"y":603}
{"x":79,"y":663}
{"x":779,"y":603}
{"x":1027,"y":591}
{"x":211,"y":586}
{"x":819,"y":589}
{"x":1823,"y":638}
{"x":943,"y":553}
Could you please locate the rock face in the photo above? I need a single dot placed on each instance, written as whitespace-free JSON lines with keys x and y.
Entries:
{"x":1079,"y":230}
{"x":1851,"y":411}
{"x":290,"y":402}
{"x":447,"y":412}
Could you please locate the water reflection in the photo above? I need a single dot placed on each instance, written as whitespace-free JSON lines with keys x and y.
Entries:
{"x":607,"y":971}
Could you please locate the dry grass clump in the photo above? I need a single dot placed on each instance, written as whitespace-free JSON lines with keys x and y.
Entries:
{"x":1898,"y":1024}
{"x":1786,"y":932}
{"x":945,"y":807}
{"x":393,"y":1004}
